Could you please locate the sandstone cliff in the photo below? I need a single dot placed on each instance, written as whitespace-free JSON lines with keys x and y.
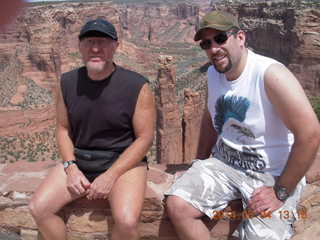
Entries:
{"x":289,"y":33}
{"x":169,"y":128}
{"x":42,"y":44}
{"x":192,"y":115}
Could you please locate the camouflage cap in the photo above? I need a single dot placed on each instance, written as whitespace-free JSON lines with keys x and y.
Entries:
{"x":218,"y":20}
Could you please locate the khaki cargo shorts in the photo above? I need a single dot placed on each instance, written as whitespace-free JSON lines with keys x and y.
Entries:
{"x":209,"y":185}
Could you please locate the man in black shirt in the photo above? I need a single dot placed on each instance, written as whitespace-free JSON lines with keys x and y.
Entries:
{"x":105,"y":127}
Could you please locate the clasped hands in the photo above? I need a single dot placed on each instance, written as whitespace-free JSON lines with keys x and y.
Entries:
{"x":78,"y":184}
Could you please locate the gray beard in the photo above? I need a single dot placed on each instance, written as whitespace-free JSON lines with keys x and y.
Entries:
{"x":95,"y":67}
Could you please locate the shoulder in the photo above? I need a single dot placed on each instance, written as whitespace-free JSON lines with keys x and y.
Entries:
{"x":260,"y":62}
{"x":277,"y":74}
{"x":69,"y":79}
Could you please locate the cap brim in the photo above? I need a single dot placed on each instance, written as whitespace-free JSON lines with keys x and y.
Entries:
{"x":95,"y":33}
{"x":96,"y":29}
{"x":197,"y":36}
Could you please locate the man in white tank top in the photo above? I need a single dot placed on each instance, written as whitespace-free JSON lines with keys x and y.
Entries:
{"x":258,"y":138}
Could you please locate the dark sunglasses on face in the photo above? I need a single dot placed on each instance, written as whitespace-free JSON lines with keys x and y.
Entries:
{"x":220,"y":38}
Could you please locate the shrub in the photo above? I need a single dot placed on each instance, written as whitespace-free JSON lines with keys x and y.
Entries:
{"x":315,"y":103}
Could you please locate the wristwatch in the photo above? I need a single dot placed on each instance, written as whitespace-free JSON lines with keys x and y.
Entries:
{"x":281,"y":193}
{"x":68,"y":163}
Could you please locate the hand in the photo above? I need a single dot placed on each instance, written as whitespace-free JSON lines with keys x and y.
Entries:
{"x":177,"y":175}
{"x":77,"y":183}
{"x":264,"y":199}
{"x":101,"y":186}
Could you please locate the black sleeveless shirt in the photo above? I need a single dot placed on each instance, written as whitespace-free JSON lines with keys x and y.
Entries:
{"x":100,"y":112}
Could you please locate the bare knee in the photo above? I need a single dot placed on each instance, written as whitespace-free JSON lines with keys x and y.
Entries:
{"x":127,"y":222}
{"x":177,"y":209}
{"x":38,"y":209}
{"x":174,"y":207}
{"x":34,"y":209}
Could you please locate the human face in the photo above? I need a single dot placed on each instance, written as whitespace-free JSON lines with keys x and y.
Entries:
{"x":219,"y":38}
{"x":97,"y":53}
{"x":221,"y":49}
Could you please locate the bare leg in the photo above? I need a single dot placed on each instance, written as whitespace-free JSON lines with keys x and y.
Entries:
{"x":126,"y":201}
{"x":186,"y":220}
{"x":51,"y":196}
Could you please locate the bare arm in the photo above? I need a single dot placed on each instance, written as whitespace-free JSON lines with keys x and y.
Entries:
{"x":208,"y":135}
{"x":144,"y":120}
{"x":65,"y":145}
{"x":291,"y":104}
{"x":76,"y":181}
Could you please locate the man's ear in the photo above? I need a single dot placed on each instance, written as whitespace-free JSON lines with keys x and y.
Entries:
{"x":116,"y":45}
{"x":242,"y":37}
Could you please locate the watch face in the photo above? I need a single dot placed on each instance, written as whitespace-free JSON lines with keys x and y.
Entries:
{"x":282,"y":195}
{"x":65,"y":165}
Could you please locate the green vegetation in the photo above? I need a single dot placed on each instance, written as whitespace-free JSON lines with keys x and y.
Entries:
{"x":75,"y":55}
{"x":36,"y":96}
{"x":315,"y":103}
{"x":8,"y":81}
{"x":39,"y":146}
{"x":3,"y":65}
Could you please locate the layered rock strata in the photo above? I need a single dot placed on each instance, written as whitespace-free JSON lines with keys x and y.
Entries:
{"x":90,"y":220}
{"x":192,"y":114}
{"x":42,"y":44}
{"x":169,"y":129}
{"x":289,"y":33}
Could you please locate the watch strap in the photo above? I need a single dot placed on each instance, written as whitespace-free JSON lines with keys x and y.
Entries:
{"x":282,"y":193}
{"x":68,"y":163}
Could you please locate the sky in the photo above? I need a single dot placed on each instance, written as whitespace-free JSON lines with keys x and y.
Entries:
{"x":43,"y":0}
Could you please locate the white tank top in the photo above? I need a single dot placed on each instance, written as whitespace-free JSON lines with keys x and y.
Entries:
{"x":251,"y":134}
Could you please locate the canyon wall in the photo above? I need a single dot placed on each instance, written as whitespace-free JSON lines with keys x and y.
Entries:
{"x":288,"y":33}
{"x":42,"y":43}
{"x":169,"y":128}
{"x":176,"y":134}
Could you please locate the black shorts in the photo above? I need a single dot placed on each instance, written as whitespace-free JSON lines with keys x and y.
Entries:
{"x":92,"y":163}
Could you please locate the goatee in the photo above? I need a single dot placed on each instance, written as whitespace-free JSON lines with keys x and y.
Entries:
{"x":223,"y":69}
{"x":95,"y":67}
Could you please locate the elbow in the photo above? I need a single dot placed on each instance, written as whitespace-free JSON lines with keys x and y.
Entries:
{"x":312,"y":136}
{"x":149,"y":141}
{"x":146,"y":140}
{"x":317,"y":136}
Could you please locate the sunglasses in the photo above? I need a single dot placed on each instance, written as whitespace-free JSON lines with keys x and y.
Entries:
{"x":100,"y":42}
{"x":219,"y":39}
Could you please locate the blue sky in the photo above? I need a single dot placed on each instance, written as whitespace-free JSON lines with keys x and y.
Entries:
{"x":43,"y":0}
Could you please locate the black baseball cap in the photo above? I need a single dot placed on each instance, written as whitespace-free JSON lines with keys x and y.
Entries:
{"x":98,"y":28}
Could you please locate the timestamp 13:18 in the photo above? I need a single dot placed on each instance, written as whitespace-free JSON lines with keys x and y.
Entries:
{"x":247,"y":214}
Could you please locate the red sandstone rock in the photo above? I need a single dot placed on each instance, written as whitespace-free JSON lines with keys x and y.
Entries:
{"x":156,"y":176}
{"x":23,"y":166}
{"x":192,"y":115}
{"x":169,"y":130}
{"x":89,"y":220}
{"x":313,"y":175}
